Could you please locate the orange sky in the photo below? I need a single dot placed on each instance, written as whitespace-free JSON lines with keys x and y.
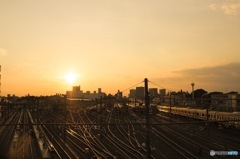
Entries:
{"x":116,"y":44}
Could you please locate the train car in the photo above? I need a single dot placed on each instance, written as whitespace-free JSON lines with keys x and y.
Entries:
{"x":228,"y":118}
{"x":164,"y":109}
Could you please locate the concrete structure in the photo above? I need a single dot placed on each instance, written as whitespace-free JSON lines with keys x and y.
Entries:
{"x":224,"y":100}
{"x":163,"y":92}
{"x":153,"y":92}
{"x":76,"y":88}
{"x":179,"y":98}
{"x":132,"y":93}
{"x":167,"y":100}
{"x":140,"y":92}
{"x":119,"y":95}
{"x":77,"y":93}
{"x":162,"y":95}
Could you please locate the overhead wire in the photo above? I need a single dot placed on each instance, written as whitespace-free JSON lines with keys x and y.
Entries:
{"x":132,"y":86}
{"x":159,"y":86}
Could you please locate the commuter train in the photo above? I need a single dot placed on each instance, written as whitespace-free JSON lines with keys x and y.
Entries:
{"x":229,"y":119}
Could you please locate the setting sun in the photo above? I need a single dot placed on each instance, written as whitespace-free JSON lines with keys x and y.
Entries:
{"x":71,"y":77}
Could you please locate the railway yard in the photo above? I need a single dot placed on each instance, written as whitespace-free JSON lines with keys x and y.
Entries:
{"x":111,"y":132}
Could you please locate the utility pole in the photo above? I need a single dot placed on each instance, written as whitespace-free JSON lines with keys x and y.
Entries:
{"x":147,"y":102}
{"x":0,"y":83}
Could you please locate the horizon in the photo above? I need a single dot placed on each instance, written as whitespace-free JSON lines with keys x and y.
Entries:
{"x":125,"y":92}
{"x":47,"y":47}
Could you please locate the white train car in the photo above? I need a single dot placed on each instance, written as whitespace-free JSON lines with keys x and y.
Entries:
{"x":228,"y":118}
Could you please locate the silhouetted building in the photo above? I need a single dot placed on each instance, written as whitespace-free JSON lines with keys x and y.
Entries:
{"x":224,"y":100}
{"x":76,"y":88}
{"x":140,"y":92}
{"x":153,"y":92}
{"x":162,"y":95}
{"x":119,"y":95}
{"x":162,"y":92}
{"x":132,"y":93}
{"x":78,"y":94}
{"x":99,"y":92}
{"x":179,"y":98}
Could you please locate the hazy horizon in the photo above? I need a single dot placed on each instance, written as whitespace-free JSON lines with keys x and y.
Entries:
{"x":48,"y":46}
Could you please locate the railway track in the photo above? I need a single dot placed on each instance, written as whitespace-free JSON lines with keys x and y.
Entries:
{"x":117,"y":134}
{"x":199,"y":143}
{"x":6,"y":133}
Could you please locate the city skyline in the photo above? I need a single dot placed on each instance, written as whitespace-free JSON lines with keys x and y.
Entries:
{"x":47,"y":47}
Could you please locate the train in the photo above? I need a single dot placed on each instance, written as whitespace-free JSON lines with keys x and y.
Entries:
{"x":228,"y":119}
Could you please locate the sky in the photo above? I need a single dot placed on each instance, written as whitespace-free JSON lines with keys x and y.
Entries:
{"x":115,"y":44}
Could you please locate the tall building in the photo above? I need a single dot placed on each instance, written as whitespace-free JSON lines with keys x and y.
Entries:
{"x":99,"y":92}
{"x":119,"y":95}
{"x":153,"y":92}
{"x":132,"y":93}
{"x":76,"y":88}
{"x":162,"y":92}
{"x":75,"y":93}
{"x":140,"y":92}
{"x":78,"y":94}
{"x":162,"y":95}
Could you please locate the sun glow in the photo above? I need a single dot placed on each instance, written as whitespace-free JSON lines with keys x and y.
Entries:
{"x":71,"y":77}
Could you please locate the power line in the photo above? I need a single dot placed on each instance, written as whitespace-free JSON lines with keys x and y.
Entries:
{"x":132,"y":86}
{"x":159,"y":86}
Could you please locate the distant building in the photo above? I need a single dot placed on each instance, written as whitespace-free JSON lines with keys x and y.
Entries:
{"x":76,"y":88}
{"x":119,"y":95}
{"x":179,"y":98}
{"x":153,"y":92}
{"x":140,"y":92}
{"x":224,"y":100}
{"x":12,"y":98}
{"x":99,"y":92}
{"x":77,"y":93}
{"x":162,"y":92}
{"x":167,"y":100}
{"x":132,"y":93}
{"x":162,"y":95}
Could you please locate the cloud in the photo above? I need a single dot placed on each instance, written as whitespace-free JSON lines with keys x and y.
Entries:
{"x":222,"y":76}
{"x":213,"y":6}
{"x":232,"y":8}
{"x":216,"y":78}
{"x":228,"y":8}
{"x":3,"y":52}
